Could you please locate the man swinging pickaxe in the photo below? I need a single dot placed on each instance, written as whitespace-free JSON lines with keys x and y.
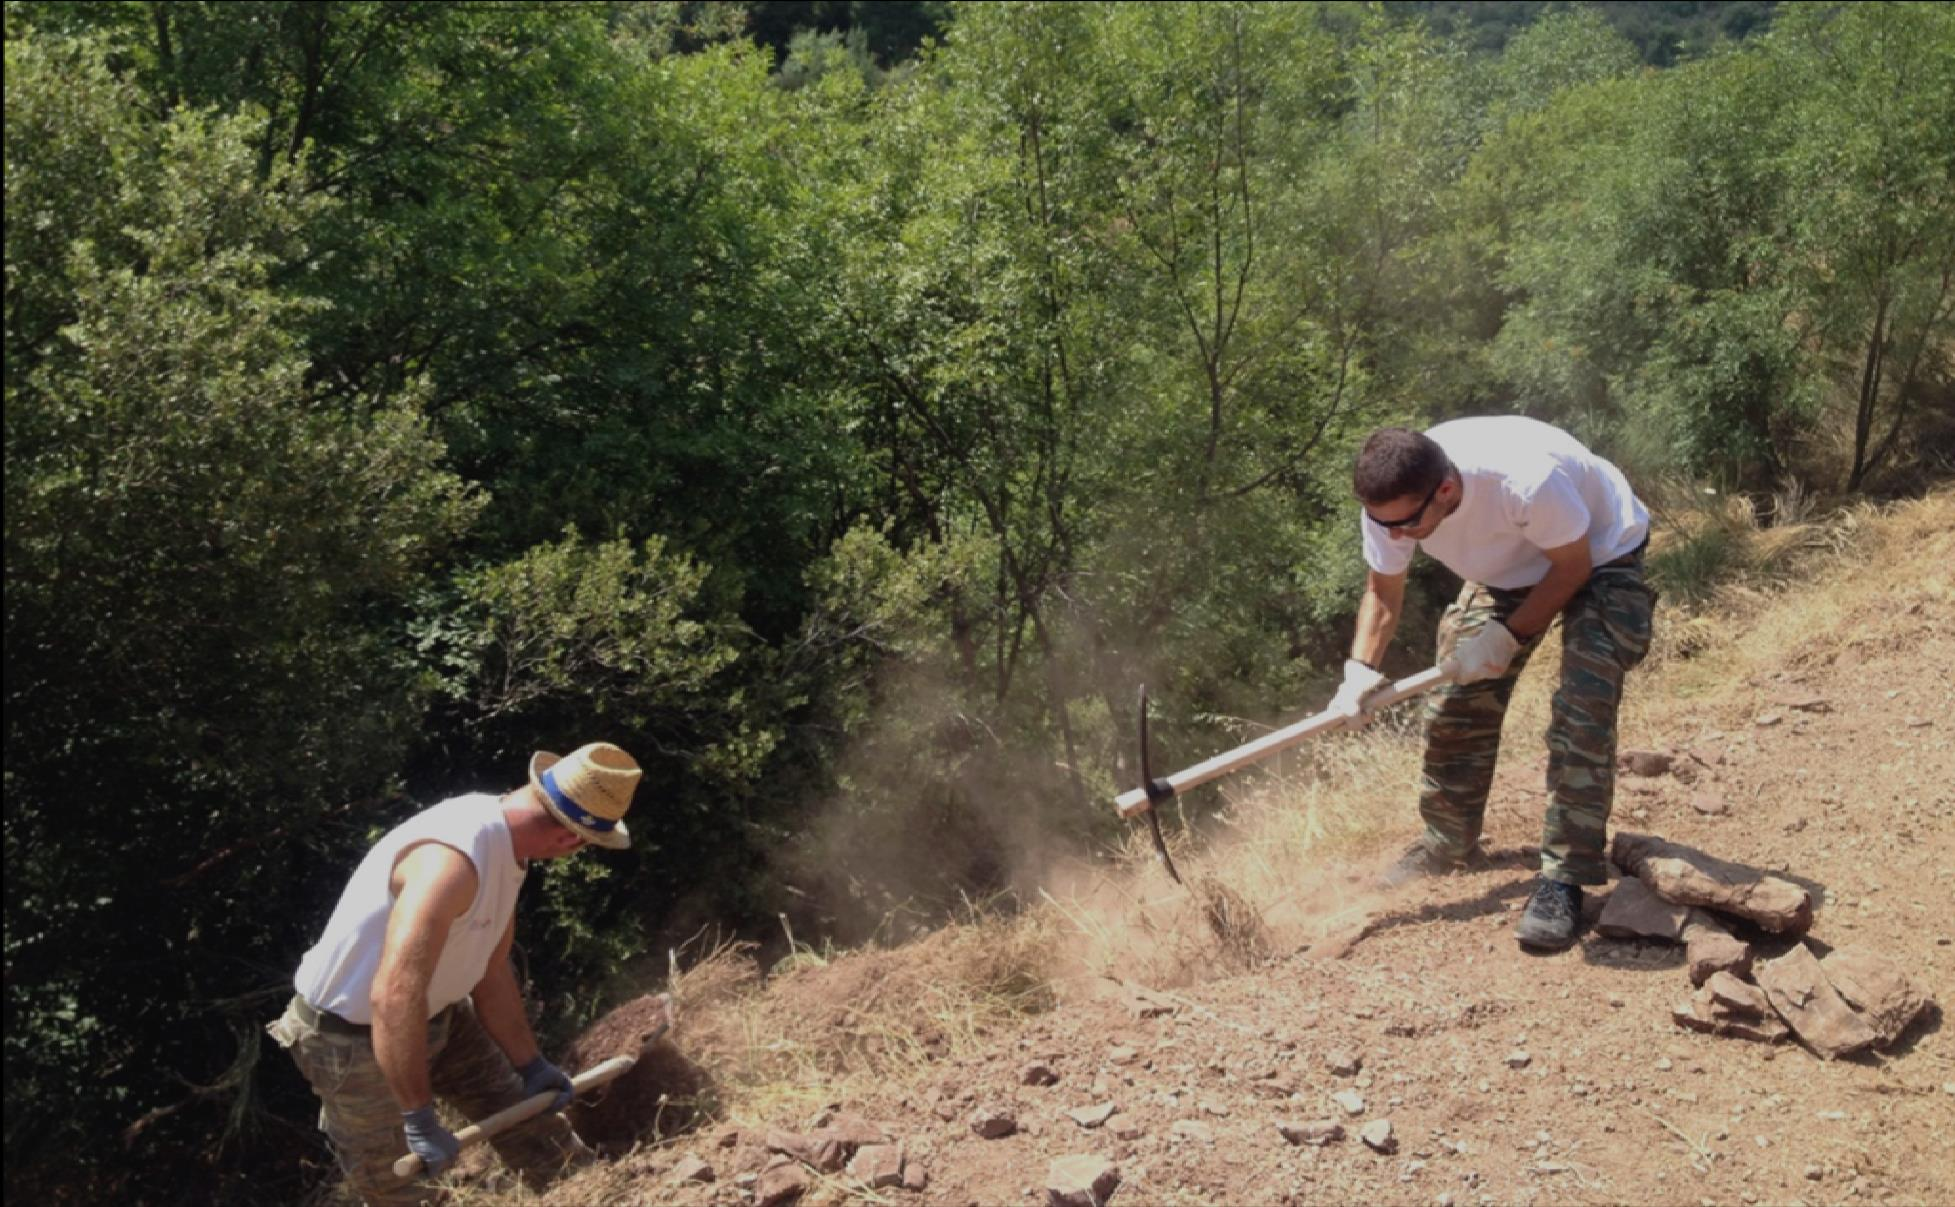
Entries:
{"x":1154,"y":791}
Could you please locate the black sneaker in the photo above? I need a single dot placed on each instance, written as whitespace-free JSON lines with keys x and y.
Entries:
{"x":1418,"y":862}
{"x":1553,"y":916}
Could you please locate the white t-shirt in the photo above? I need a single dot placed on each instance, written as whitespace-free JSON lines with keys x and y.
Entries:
{"x":337,"y":974}
{"x":1526,"y":486}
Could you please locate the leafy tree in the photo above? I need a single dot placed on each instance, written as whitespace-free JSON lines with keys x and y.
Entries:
{"x":1870,"y":230}
{"x":197,"y":546}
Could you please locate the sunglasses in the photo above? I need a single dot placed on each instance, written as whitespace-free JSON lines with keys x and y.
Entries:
{"x":1415,"y":517}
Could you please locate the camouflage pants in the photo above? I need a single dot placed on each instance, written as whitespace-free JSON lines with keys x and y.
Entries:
{"x":1605,"y":632}
{"x":359,"y":1115}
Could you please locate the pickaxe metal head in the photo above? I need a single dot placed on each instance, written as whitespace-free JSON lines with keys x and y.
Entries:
{"x":1158,"y":791}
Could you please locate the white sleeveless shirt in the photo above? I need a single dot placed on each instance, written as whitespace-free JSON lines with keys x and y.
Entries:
{"x":337,"y":974}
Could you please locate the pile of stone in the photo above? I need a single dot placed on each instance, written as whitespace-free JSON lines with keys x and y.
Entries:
{"x":1841,"y":1003}
{"x":839,"y":1146}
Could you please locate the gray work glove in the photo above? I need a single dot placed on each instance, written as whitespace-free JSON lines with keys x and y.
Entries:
{"x":1359,"y":681}
{"x":428,"y":1140}
{"x":540,"y":1076}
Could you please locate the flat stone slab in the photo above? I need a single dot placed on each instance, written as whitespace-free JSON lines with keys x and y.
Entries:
{"x":1704,"y":1013}
{"x":1092,"y":1116}
{"x":1734,"y":996}
{"x":1635,"y":912}
{"x":1876,"y":987}
{"x":1687,"y":876}
{"x":1807,"y":1001}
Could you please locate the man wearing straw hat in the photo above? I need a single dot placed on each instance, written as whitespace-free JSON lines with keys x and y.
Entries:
{"x":410,"y":992}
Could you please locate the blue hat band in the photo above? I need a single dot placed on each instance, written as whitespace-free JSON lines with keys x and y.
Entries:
{"x":571,"y":808}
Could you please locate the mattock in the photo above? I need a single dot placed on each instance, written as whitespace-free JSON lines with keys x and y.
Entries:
{"x":1152,"y":787}
{"x":1153,"y":791}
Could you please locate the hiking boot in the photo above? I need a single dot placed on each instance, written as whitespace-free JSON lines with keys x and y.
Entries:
{"x":1553,"y":916}
{"x":1418,"y":862}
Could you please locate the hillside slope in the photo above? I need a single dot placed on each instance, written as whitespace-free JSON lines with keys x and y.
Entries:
{"x":1816,"y":723}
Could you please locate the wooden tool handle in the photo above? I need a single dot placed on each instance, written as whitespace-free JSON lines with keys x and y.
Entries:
{"x":529,"y":1108}
{"x":1135,"y":800}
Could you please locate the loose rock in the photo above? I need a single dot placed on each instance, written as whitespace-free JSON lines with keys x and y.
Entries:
{"x":793,"y":1144}
{"x":1350,"y":1100}
{"x":1800,"y":992}
{"x":1517,"y":1059}
{"x":692,"y":1169}
{"x":993,"y":1122}
{"x":1316,"y":1134}
{"x":1710,"y":804}
{"x":1687,"y":876}
{"x":1646,"y":763}
{"x":1192,"y":1129}
{"x":1343,"y":1062}
{"x":1710,"y":948}
{"x":915,"y":1177}
{"x":1377,"y":1136}
{"x":1037,"y":1073}
{"x":878,"y":1166}
{"x":781,"y":1184}
{"x":1083,"y":1180}
{"x":1092,"y":1116}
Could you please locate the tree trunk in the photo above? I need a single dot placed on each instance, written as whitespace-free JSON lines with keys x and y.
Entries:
{"x":1869,"y":393}
{"x":165,"y":54}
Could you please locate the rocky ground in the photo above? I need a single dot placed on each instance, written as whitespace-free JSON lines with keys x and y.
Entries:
{"x":1422,"y":1057}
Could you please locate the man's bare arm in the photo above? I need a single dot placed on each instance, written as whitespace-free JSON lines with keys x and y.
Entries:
{"x":1568,"y":569}
{"x":499,"y":1005}
{"x":433,"y":885}
{"x":1378,"y":613}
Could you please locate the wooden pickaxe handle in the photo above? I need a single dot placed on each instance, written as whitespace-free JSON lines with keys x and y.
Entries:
{"x":529,"y":1108}
{"x":1135,"y":801}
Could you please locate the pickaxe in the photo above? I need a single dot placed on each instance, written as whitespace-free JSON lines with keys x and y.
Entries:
{"x":1153,"y":791}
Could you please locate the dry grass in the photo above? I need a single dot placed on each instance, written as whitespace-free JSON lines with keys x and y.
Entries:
{"x":815,"y":1031}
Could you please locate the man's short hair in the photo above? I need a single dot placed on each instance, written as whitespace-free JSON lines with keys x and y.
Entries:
{"x":1397,"y":462}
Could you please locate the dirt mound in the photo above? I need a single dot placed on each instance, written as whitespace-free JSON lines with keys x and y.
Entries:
{"x":664,"y":1094}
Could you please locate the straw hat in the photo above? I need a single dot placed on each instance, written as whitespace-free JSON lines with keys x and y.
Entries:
{"x":589,"y":790}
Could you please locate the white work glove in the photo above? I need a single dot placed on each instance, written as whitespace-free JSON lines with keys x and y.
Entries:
{"x":1359,"y":681}
{"x":1484,"y":655}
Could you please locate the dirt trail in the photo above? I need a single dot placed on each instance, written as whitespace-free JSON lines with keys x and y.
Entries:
{"x":1509,"y":1077}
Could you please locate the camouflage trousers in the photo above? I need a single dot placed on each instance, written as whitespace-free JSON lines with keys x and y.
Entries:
{"x":1605,"y":632}
{"x":359,"y":1115}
